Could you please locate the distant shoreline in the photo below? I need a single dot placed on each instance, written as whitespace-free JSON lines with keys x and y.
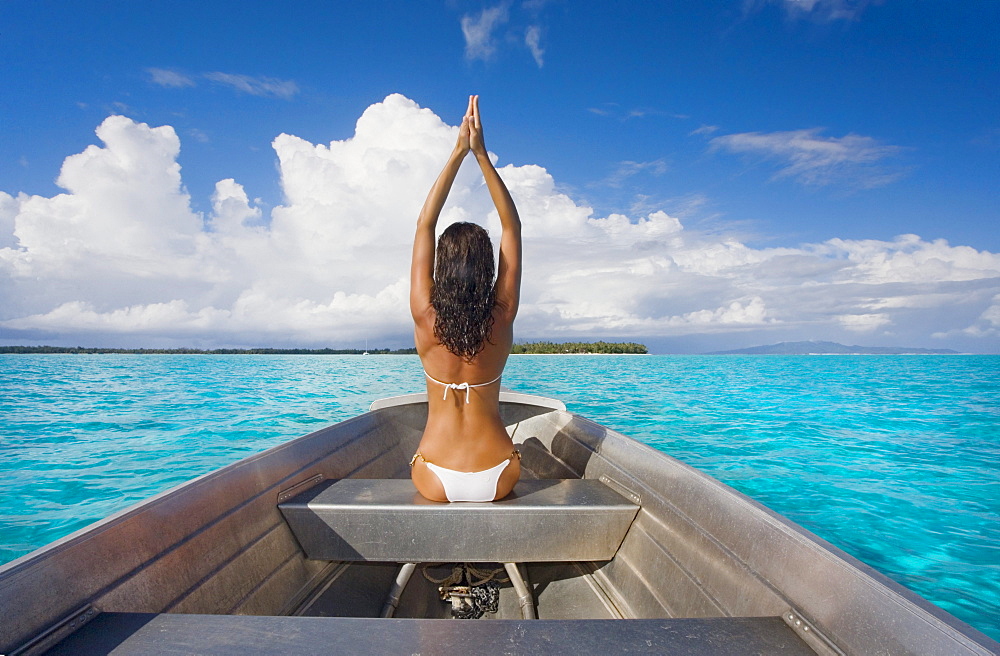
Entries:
{"x":531,"y":348}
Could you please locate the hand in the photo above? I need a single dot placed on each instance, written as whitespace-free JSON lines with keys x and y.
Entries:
{"x":476,"y":142}
{"x":464,"y":130}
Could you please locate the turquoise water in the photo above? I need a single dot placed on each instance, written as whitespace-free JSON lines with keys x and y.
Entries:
{"x":895,"y":459}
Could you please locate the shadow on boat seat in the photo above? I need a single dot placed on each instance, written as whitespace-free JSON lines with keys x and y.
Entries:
{"x":541,"y":463}
{"x":564,"y":452}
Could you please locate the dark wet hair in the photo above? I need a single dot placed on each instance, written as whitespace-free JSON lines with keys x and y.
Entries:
{"x":464,"y":291}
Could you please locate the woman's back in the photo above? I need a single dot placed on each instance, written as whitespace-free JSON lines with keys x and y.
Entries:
{"x":464,"y":431}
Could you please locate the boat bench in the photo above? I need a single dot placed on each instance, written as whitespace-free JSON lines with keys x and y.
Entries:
{"x":353,"y":519}
{"x":386,"y":520}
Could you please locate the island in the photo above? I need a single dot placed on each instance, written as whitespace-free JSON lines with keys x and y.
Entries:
{"x":570,"y":348}
{"x":831,"y":348}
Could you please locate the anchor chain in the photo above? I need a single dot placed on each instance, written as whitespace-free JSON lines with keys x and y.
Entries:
{"x":479,"y":594}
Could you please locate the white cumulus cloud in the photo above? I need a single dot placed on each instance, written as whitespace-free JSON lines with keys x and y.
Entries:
{"x":120,"y":257}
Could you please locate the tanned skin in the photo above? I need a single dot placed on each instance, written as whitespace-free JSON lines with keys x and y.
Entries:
{"x":459,"y":436}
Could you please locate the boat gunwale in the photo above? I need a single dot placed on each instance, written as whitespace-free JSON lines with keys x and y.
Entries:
{"x":9,"y":570}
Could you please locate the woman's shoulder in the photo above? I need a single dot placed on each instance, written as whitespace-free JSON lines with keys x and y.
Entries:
{"x":503,"y":314}
{"x":423,"y":326}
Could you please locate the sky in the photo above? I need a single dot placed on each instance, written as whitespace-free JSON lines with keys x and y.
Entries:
{"x":696,"y":176}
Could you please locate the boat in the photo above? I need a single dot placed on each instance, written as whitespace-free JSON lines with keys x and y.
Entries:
{"x":322,"y":545}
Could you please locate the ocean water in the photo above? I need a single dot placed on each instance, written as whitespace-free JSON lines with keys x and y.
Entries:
{"x":895,"y":459}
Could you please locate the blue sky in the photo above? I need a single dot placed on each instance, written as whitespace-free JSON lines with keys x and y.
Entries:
{"x":723,"y":174}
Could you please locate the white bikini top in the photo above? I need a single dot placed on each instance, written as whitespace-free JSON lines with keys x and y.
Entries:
{"x":460,"y":386}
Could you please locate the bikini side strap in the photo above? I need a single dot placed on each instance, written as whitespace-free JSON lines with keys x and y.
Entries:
{"x":514,"y":454}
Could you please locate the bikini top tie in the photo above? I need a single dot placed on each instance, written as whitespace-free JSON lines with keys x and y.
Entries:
{"x":460,"y":386}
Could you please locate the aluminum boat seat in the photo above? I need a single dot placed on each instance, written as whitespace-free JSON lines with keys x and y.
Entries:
{"x":548,"y":520}
{"x":387,"y":520}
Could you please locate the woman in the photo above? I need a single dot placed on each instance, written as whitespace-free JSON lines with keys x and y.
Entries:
{"x":463,"y":327}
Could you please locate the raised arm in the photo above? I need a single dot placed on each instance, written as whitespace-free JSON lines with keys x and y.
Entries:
{"x":509,"y":268}
{"x":422,"y":264}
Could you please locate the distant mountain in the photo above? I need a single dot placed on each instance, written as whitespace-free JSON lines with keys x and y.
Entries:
{"x":831,"y":348}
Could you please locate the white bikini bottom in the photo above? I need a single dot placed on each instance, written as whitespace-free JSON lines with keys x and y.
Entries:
{"x":468,"y":486}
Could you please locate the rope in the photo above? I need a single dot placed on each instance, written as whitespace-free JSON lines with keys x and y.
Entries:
{"x":485,"y":575}
{"x":466,"y":571}
{"x":451,"y":579}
